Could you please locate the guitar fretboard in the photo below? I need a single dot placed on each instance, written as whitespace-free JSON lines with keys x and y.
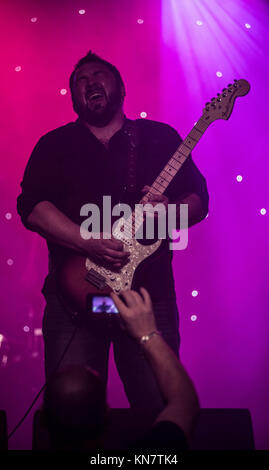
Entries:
{"x":167,"y":174}
{"x":176,"y":161}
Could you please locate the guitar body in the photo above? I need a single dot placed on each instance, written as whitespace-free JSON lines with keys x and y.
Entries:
{"x":78,"y":278}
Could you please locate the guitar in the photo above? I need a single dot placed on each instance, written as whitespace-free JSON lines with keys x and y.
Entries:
{"x":79,"y":277}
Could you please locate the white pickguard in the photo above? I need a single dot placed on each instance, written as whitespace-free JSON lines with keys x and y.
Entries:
{"x":122,"y":280}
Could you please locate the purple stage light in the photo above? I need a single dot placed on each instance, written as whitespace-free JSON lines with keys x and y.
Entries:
{"x":170,"y":70}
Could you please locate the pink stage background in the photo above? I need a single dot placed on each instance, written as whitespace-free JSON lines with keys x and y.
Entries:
{"x":174,"y":55}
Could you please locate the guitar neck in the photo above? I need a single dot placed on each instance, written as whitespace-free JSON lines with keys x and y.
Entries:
{"x":221,"y":108}
{"x":176,"y":161}
{"x":167,"y":174}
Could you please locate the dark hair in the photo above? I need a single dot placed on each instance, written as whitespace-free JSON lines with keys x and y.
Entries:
{"x":91,"y":57}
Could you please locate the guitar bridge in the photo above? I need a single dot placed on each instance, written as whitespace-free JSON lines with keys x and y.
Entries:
{"x":96,"y":279}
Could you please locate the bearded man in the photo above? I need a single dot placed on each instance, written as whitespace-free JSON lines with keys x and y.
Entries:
{"x":79,"y":163}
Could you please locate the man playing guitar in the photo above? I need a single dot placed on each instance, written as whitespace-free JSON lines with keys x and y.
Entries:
{"x":80,"y":163}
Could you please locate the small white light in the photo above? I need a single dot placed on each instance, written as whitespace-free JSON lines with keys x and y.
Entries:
{"x":63,"y":91}
{"x":194,"y":293}
{"x":143,"y":114}
{"x":18,"y":68}
{"x":207,"y":215}
{"x":4,"y":359}
{"x":247,"y":25}
{"x":219,"y":74}
{"x":38,"y":331}
{"x":193,"y":317}
{"x":1,"y":339}
{"x":263,"y":211}
{"x":26,"y":329}
{"x":195,"y":123}
{"x":82,"y":12}
{"x":8,"y":216}
{"x":10,"y":262}
{"x":140,"y":21}
{"x":239,"y":178}
{"x":199,"y":22}
{"x":34,"y":19}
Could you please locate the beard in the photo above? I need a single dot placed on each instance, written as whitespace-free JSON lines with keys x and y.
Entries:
{"x":99,"y":114}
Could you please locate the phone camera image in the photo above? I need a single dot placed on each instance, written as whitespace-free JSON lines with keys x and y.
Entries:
{"x":103,"y":304}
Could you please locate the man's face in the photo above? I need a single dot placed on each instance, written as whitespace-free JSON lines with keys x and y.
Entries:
{"x":96,"y":94}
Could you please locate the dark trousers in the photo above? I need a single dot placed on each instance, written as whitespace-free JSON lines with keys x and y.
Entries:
{"x":91,"y":343}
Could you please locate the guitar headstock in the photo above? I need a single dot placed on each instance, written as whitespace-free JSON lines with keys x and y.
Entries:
{"x":221,"y":107}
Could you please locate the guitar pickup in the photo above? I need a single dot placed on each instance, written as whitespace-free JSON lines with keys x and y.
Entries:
{"x":96,"y":279}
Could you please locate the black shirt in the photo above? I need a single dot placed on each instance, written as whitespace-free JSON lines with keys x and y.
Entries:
{"x":70,"y":167}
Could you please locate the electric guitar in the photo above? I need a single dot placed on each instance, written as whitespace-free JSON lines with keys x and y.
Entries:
{"x":79,"y":277}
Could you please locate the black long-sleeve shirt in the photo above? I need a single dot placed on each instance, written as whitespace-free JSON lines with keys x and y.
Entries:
{"x":70,"y":167}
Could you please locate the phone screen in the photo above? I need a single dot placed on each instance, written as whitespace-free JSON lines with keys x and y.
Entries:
{"x":103,"y":304}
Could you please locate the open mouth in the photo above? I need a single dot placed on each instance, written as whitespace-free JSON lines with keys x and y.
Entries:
{"x":95,"y":96}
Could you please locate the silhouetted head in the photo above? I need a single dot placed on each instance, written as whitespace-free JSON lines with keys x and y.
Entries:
{"x":75,"y":406}
{"x":97,"y":90}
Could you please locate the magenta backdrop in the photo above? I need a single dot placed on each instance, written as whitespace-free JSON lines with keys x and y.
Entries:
{"x":178,"y":57}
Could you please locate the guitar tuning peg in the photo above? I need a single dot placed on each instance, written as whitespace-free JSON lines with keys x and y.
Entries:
{"x":229,"y":84}
{"x":212,"y":99}
{"x":218,"y":94}
{"x":235,"y":80}
{"x":207,"y":103}
{"x":224,"y":89}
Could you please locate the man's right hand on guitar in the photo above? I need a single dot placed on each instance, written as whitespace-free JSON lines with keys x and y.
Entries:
{"x":107,"y":252}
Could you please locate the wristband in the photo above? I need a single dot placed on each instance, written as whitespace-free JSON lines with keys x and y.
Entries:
{"x":146,"y":338}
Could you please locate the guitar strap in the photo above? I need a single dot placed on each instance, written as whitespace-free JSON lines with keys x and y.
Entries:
{"x":132,"y":133}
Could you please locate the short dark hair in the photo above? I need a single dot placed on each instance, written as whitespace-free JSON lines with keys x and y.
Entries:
{"x":91,"y":57}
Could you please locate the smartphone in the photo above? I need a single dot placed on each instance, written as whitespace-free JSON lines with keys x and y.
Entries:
{"x":100,"y":304}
